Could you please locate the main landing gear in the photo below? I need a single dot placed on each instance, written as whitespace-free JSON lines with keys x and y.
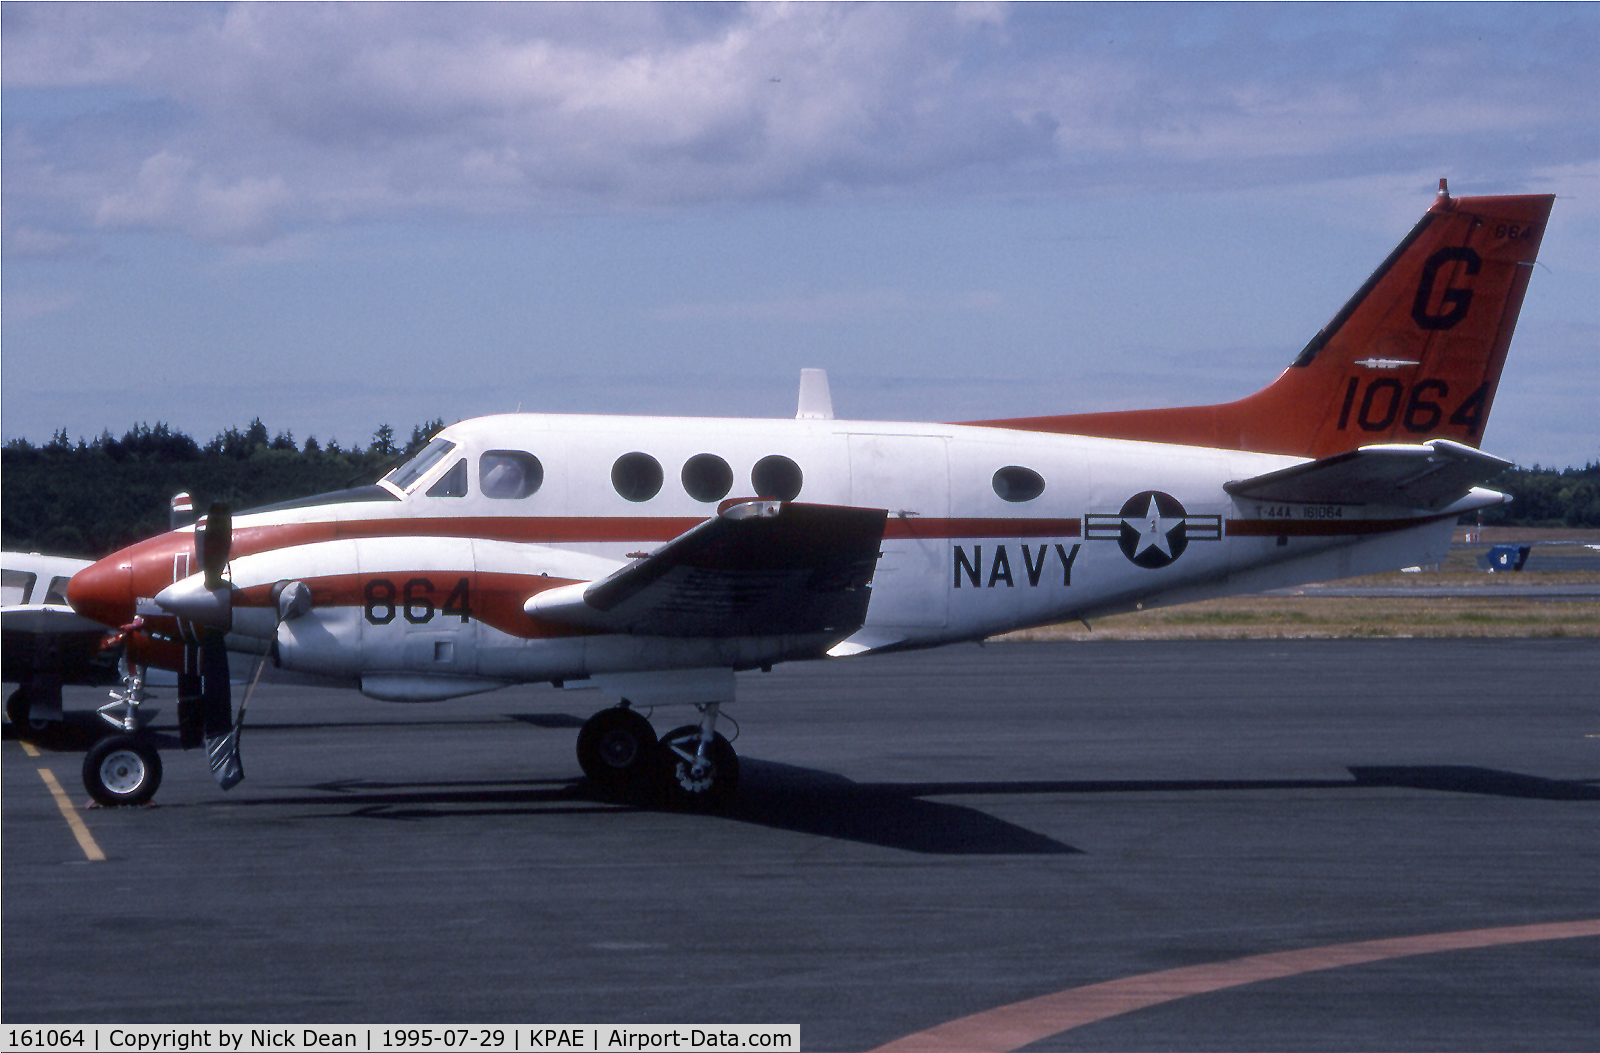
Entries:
{"x":691,"y":767}
{"x":615,"y":747}
{"x":19,"y":709}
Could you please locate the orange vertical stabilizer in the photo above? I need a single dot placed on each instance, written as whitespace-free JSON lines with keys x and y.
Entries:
{"x":1415,"y":354}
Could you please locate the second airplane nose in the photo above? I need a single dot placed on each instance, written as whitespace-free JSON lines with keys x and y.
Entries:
{"x":104,"y":591}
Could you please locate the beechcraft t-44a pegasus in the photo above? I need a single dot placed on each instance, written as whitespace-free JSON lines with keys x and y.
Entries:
{"x":656,"y":557}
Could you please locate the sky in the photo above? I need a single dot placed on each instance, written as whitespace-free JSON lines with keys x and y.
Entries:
{"x":335,"y":217}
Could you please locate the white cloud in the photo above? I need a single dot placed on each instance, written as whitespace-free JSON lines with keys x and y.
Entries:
{"x":298,"y":114}
{"x":359,"y":162}
{"x":25,"y":305}
{"x":169,"y":192}
{"x":855,"y":305}
{"x":25,"y":242}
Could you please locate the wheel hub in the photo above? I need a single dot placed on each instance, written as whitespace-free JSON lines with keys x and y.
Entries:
{"x":122,"y":772}
{"x":696,"y":776}
{"x":618,"y":749}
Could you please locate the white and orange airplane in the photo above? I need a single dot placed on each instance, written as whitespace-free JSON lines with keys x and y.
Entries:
{"x":656,"y":557}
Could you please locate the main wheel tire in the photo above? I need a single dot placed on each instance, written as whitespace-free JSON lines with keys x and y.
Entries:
{"x":17,"y":707}
{"x":681,"y":786}
{"x":122,"y":769}
{"x":616,"y":747}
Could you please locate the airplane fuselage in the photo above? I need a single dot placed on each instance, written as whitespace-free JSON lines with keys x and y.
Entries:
{"x":418,"y":589}
{"x":656,"y":556}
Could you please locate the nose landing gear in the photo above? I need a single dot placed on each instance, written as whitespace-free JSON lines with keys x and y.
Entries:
{"x":123,"y":768}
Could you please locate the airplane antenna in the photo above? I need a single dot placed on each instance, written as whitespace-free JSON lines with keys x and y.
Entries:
{"x":1444,"y":189}
{"x":815,"y":401}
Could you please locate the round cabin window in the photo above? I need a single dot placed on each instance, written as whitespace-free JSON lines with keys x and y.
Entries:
{"x":707,"y":477}
{"x":637,"y":476}
{"x":1015,"y":483}
{"x":777,"y":477}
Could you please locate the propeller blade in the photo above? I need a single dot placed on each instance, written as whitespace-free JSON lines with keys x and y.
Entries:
{"x":215,"y":544}
{"x":191,"y":707}
{"x":216,"y":703}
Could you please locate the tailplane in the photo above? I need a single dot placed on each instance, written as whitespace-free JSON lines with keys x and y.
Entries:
{"x":1415,"y":354}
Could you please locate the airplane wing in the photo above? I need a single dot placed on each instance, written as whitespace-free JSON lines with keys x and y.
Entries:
{"x":759,"y":568}
{"x":1433,"y":475}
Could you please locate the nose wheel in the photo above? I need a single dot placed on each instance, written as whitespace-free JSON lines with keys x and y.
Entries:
{"x":122,"y":769}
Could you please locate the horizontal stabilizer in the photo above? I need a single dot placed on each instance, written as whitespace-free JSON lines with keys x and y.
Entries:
{"x":865,"y":642}
{"x":759,"y":568}
{"x":1433,"y":476}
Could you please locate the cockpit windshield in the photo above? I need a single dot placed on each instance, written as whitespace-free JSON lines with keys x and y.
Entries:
{"x":414,"y":469}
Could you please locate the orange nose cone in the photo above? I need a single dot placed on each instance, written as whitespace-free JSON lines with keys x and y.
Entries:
{"x":104,"y":591}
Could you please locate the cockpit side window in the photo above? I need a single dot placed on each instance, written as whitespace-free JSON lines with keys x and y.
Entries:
{"x":507,"y":475}
{"x":452,"y":483}
{"x":17,"y":585}
{"x":407,"y":474}
{"x":57,"y":592}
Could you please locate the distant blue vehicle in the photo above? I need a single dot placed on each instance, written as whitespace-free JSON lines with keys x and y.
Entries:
{"x":1504,"y":557}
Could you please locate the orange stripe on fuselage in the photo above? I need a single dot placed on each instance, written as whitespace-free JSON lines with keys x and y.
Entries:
{"x":495,"y":599}
{"x":915,"y":528}
{"x":1324,"y":527}
{"x":572,"y":530}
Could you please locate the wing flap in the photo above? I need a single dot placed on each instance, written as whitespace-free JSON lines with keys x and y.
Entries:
{"x":1429,"y":476}
{"x":759,"y":568}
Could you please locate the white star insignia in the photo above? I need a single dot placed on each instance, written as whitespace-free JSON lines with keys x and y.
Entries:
{"x":1153,"y":528}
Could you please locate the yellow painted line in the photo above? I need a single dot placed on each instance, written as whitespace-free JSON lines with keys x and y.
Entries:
{"x":74,"y":820}
{"x":29,"y":748}
{"x":1011,"y":1027}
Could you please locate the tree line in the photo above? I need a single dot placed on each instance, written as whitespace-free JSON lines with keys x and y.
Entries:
{"x":90,"y":498}
{"x":1547,"y":497}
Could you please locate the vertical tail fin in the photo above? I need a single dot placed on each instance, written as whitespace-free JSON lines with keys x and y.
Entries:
{"x":1416,"y":353}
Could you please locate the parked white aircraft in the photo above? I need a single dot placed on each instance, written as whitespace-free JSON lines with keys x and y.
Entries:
{"x":48,"y":645}
{"x":43,"y":642}
{"x":655,"y":557}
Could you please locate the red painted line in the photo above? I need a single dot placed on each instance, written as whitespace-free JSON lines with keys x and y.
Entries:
{"x":1019,"y":1024}
{"x":983,"y":528}
{"x":558,"y":530}
{"x":1323,"y":527}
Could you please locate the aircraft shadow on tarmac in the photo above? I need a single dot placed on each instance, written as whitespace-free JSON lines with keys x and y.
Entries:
{"x":888,"y":815}
{"x":774,"y":795}
{"x":805,"y":800}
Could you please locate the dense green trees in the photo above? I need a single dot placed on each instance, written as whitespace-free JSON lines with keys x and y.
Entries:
{"x":90,"y":498}
{"x":1546,"y":497}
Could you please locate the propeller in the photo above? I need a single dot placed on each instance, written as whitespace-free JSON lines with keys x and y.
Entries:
{"x":205,"y":697}
{"x":203,"y":604}
{"x":214,"y":543}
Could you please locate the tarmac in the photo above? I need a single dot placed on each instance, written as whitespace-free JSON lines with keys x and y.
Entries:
{"x":921,"y":842}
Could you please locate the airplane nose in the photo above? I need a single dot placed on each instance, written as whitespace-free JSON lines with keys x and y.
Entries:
{"x":104,"y":590}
